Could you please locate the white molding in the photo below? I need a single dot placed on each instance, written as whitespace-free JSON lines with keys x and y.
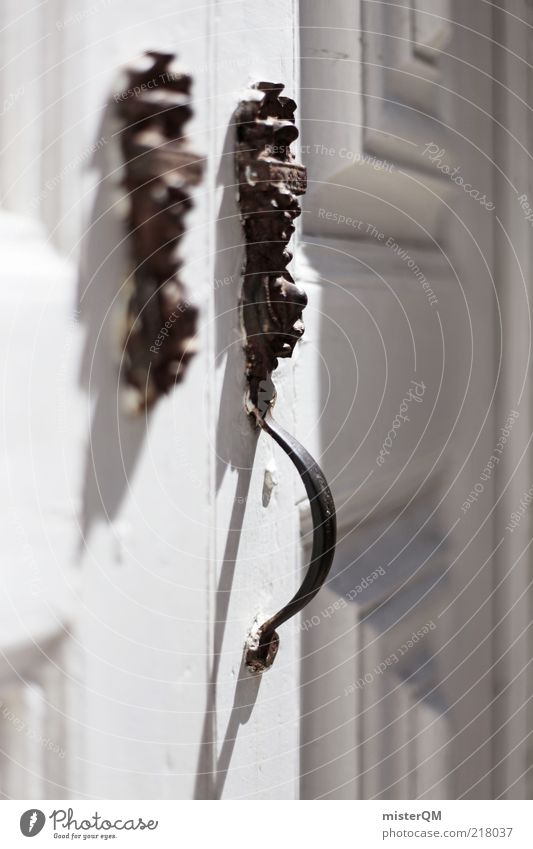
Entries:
{"x":355,"y":264}
{"x":354,"y":509}
{"x":370,"y":90}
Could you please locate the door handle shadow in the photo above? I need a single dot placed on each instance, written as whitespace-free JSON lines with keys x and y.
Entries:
{"x":244,"y":701}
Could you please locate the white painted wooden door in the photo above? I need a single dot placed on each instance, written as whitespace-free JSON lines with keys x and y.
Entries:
{"x":136,"y":552}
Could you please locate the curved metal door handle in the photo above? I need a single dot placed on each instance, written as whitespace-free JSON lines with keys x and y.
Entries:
{"x":263,"y":647}
{"x":270,"y":181}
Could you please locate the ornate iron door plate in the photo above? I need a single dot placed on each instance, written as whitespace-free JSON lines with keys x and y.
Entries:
{"x":160,"y":171}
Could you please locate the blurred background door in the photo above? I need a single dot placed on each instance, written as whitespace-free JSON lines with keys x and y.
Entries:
{"x":413,"y":677}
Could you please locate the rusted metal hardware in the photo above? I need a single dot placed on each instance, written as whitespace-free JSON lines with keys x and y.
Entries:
{"x":270,"y":182}
{"x":159,"y":173}
{"x":263,"y":646}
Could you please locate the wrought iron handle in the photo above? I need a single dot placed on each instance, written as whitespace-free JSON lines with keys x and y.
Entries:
{"x":270,"y":181}
{"x":263,"y":645}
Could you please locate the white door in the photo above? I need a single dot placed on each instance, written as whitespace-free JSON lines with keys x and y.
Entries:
{"x":138,"y":552}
